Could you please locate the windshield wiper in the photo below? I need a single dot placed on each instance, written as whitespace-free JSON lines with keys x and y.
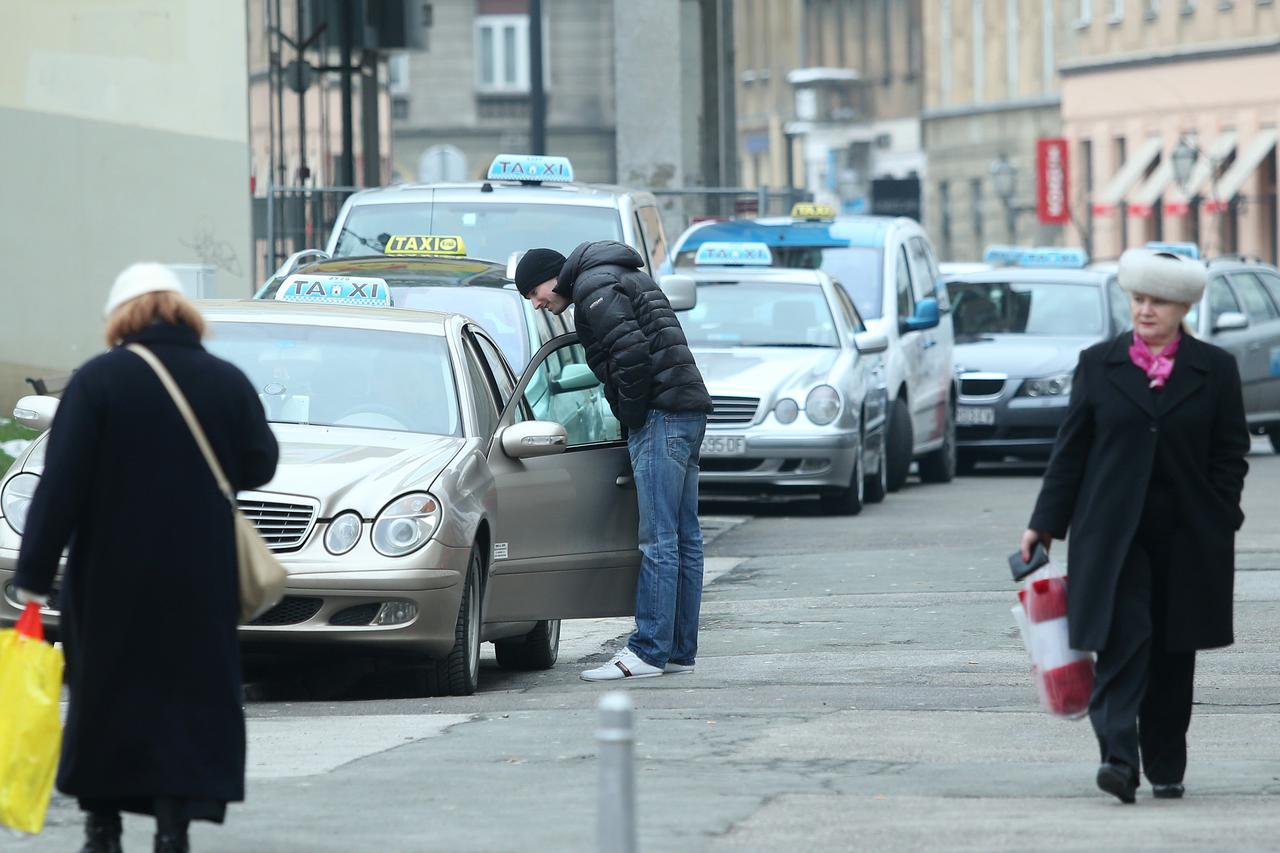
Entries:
{"x":791,"y":345}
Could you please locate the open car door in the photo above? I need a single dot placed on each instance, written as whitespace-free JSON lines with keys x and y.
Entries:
{"x":567,"y":530}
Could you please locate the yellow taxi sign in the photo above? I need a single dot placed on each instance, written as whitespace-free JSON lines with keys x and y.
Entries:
{"x":812,"y":211}
{"x":404,"y":245}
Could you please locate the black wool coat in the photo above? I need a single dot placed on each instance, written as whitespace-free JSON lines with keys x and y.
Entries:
{"x":149,"y":597}
{"x":1117,"y":431}
{"x":635,"y":345}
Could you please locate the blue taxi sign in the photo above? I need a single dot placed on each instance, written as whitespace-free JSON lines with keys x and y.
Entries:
{"x":1186,"y":250}
{"x":335,"y":290}
{"x":733,"y":255}
{"x":1002,"y":254}
{"x":530,"y":168}
{"x":1051,"y":257}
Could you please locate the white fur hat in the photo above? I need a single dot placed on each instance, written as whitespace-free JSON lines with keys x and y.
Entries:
{"x":138,"y":279}
{"x":1163,"y":275}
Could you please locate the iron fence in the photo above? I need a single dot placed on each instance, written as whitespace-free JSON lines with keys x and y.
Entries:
{"x":289,"y":219}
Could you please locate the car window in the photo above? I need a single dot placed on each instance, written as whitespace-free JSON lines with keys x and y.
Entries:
{"x":486,"y":408}
{"x":902,"y":279}
{"x":759,"y":314}
{"x":498,"y":370}
{"x":490,"y":230}
{"x":1121,"y":316}
{"x":573,"y":397}
{"x":857,"y":269}
{"x":654,"y":239}
{"x":926,"y":279}
{"x":339,"y":377}
{"x":1221,"y":299}
{"x":847,"y":308}
{"x":498,"y":311}
{"x":1257,"y":302}
{"x":1272,"y":283}
{"x":1027,"y":308}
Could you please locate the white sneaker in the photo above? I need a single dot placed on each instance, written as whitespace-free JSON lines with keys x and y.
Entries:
{"x":672,"y":668}
{"x":625,"y":664}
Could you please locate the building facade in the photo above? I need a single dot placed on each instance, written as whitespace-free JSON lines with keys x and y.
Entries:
{"x":991,"y":92}
{"x":1144,"y":79}
{"x":829,"y":99}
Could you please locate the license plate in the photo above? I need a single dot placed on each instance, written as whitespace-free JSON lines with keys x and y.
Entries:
{"x":975,"y":416}
{"x":724,"y":445}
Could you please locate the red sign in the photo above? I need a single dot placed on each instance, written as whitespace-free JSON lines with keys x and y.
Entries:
{"x":1176,"y":208}
{"x":1051,"y":181}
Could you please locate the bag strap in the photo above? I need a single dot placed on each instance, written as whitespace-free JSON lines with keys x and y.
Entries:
{"x":180,"y":400}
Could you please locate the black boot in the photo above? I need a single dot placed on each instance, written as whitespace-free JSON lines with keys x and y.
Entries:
{"x":1118,"y":780}
{"x":172,"y":842}
{"x":101,"y":832}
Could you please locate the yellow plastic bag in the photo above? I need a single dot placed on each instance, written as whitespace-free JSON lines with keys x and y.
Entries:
{"x":30,"y":728}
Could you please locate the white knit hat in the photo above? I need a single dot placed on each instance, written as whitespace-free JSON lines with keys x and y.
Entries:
{"x":1163,"y":275}
{"x":137,"y":280}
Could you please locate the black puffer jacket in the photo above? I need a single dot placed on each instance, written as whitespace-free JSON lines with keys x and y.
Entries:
{"x":634,"y":342}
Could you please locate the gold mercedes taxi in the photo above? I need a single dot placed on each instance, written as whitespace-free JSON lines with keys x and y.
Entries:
{"x":420,"y":507}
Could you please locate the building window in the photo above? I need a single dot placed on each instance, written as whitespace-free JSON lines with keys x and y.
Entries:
{"x":1085,"y":13}
{"x":886,"y":37}
{"x":502,"y":53}
{"x":399,"y":108}
{"x":1152,"y":10}
{"x":1012,"y":58}
{"x":398,"y":74}
{"x":1048,"y":34}
{"x":944,"y":223}
{"x":975,"y":191}
{"x":944,"y":85}
{"x":979,"y":51}
{"x":1188,"y":7}
{"x":1117,"y":12}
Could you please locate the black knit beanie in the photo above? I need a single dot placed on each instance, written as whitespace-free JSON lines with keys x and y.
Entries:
{"x":537,"y":266}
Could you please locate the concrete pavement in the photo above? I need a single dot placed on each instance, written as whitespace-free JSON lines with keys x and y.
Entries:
{"x":859,"y":687}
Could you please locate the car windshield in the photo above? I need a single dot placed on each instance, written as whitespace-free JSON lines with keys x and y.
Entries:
{"x":490,"y":230}
{"x":1025,"y":308}
{"x":338,"y":377}
{"x":499,"y":312}
{"x":856,"y":269}
{"x":755,"y":314}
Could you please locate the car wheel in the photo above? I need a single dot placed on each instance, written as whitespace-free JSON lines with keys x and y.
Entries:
{"x":1274,"y":435}
{"x":877,"y":484}
{"x":939,"y":466}
{"x":537,"y":649}
{"x":965,"y":463}
{"x":898,"y":445}
{"x":847,"y":501}
{"x":458,"y":674}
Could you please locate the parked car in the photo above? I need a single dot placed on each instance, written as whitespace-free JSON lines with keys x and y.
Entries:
{"x":888,"y":269}
{"x":525,"y":201}
{"x":1019,"y":332}
{"x":796,"y":380}
{"x":419,"y":506}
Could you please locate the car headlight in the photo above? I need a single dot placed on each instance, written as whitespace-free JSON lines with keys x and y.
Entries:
{"x":1049,"y":386}
{"x":15,"y":500}
{"x":343,"y":533}
{"x":822,"y":405}
{"x":406,"y":524}
{"x":786,"y":411}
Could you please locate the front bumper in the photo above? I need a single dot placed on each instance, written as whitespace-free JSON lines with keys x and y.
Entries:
{"x":781,"y":460}
{"x":332,"y":604}
{"x":1024,"y":427}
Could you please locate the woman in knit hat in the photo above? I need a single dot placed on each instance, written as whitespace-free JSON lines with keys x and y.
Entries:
{"x":1147,"y":474}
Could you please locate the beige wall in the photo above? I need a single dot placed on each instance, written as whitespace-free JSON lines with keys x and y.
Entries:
{"x":125,"y":128}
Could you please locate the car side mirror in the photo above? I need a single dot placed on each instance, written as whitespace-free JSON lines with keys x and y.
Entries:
{"x":681,"y":291}
{"x":870,"y":343}
{"x":36,"y":412}
{"x":574,"y":377}
{"x":528,"y":439}
{"x":927,"y":316}
{"x":1230,"y":321}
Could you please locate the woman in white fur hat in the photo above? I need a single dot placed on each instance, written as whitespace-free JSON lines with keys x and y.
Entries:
{"x":1147,"y":474}
{"x":149,"y":597}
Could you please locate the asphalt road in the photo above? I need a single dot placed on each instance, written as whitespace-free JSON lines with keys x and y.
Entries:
{"x":860,"y":686}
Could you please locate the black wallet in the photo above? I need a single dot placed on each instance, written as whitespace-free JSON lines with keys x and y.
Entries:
{"x":1039,"y":556}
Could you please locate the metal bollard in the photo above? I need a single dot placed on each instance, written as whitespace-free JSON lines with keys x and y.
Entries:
{"x":616,"y":811}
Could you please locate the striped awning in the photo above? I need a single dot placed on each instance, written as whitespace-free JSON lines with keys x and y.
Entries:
{"x":1259,"y":148}
{"x":1118,"y":187}
{"x":1147,"y":196}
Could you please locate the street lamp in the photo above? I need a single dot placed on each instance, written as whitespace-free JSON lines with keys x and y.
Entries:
{"x":1184,"y":160}
{"x":1004,"y":178}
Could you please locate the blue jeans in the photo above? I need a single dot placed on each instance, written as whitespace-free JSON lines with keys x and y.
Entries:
{"x":664,"y":460}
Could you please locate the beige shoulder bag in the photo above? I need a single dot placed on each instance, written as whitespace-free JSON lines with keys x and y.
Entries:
{"x":262,"y":578}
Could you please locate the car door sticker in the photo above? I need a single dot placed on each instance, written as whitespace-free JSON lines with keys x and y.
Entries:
{"x":1275,"y":361}
{"x":500,"y":550}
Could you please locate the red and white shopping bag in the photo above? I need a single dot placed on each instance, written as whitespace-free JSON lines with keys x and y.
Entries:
{"x":1063,"y":676}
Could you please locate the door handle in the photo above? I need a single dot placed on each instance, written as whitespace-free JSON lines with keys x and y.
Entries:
{"x":624,"y":480}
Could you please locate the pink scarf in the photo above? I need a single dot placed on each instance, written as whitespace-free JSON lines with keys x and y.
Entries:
{"x":1157,"y":367}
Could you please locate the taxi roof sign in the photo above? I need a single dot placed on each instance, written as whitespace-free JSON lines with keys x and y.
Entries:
{"x":734,"y":255}
{"x":424,"y":245}
{"x":530,"y":168}
{"x":336,"y":290}
{"x":813,"y":212}
{"x":1041,"y":257}
{"x":1186,"y":250}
